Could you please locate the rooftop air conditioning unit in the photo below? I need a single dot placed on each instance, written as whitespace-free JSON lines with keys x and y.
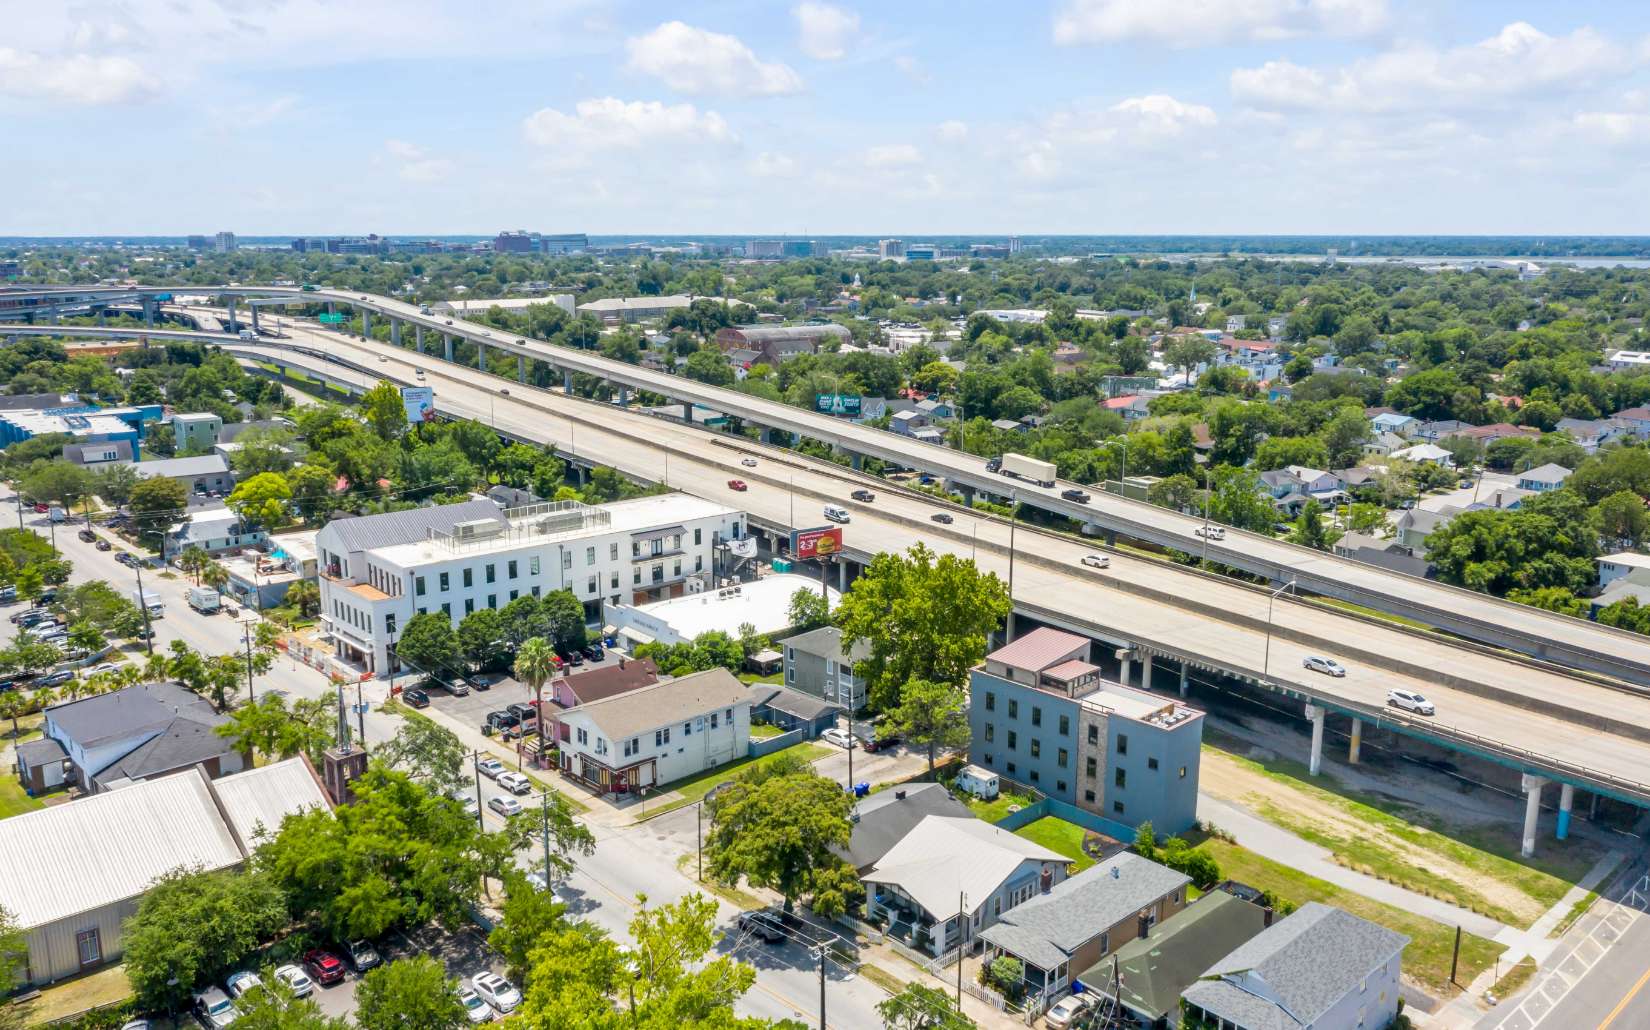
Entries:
{"x":475,"y":529}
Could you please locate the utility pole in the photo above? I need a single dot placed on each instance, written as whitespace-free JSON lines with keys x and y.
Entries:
{"x":962,"y":923}
{"x":1013,"y":507}
{"x":246,"y":632}
{"x":143,"y":603}
{"x":544,"y":804}
{"x":475,"y":764}
{"x":822,"y":987}
{"x":699,"y":836}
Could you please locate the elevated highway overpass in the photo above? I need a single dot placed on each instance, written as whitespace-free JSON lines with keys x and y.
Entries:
{"x":1474,"y":616}
{"x":1158,"y":621}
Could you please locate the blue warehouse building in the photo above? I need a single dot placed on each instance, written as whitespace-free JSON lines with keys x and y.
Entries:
{"x":86,"y":423}
{"x":1041,"y":716}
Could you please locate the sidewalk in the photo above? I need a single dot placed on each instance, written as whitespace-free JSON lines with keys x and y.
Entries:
{"x":896,"y":966}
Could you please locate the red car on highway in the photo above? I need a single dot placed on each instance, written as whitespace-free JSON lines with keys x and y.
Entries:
{"x":323,"y":966}
{"x":737,"y":484}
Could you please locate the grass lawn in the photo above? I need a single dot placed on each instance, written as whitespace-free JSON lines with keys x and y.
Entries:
{"x":995,"y":809}
{"x":1426,"y":959}
{"x":1418,"y":848}
{"x":687,"y":866}
{"x":747,"y":678}
{"x":1514,"y":979}
{"x":1348,"y":606}
{"x":692,"y":788}
{"x":72,"y":997}
{"x":762,"y":731}
{"x":12,"y":799}
{"x":1058,"y":835}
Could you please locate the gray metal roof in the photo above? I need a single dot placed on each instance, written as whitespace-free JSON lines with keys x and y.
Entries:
{"x":791,"y":702}
{"x":826,"y":642}
{"x":1047,"y":929}
{"x":171,"y":468}
{"x":765,"y":333}
{"x":1304,"y":964}
{"x":131,"y":712}
{"x":883,"y":819}
{"x":662,"y":704}
{"x":366,"y":532}
{"x":43,"y":751}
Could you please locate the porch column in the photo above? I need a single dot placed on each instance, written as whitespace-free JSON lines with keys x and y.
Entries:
{"x":1566,"y":798}
{"x":1316,"y":714}
{"x":1356,"y":746}
{"x":1532,"y":810}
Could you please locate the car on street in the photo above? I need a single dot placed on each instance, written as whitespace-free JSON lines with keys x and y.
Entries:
{"x":1211,"y":532}
{"x":214,"y":1009}
{"x":504,"y":806}
{"x":942,"y":517}
{"x":490,"y":768}
{"x":1066,"y":1011}
{"x":418,"y":373}
{"x":468,"y":805}
{"x":457,"y":687}
{"x":835,"y":735}
{"x":1465,"y":484}
{"x":362,"y":955}
{"x":415,"y":698}
{"x":594,"y":652}
{"x":297,"y":981}
{"x":1097,"y":561}
{"x":241,"y":982}
{"x":477,"y":1010}
{"x":86,"y":535}
{"x":515,"y":782}
{"x":504,"y":390}
{"x":500,"y":722}
{"x":52,"y":679}
{"x":498,"y":992}
{"x":881,"y":739}
{"x":101,"y":667}
{"x":383,"y":358}
{"x":1327,"y":666}
{"x":1410,"y":701}
{"x":748,"y":462}
{"x":103,"y":545}
{"x":863,"y":495}
{"x":1075,"y":494}
{"x":763,"y":926}
{"x":323,"y":966}
{"x":737,"y":484}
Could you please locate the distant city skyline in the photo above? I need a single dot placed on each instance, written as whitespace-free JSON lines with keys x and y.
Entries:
{"x":737,"y":118}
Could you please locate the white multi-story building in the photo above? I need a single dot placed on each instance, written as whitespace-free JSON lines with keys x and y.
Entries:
{"x":457,"y":559}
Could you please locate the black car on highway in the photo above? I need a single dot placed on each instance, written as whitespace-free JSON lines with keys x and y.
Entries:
{"x":1075,"y":494}
{"x":863,"y":495}
{"x":940,"y":516}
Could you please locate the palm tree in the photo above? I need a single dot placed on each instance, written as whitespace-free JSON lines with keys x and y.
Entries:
{"x":192,"y":561}
{"x":216,"y":576}
{"x":13,"y":707}
{"x":535,"y":664}
{"x":129,"y":675}
{"x":304,"y":595}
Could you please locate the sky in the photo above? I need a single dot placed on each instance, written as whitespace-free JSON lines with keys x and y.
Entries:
{"x":904,"y":118}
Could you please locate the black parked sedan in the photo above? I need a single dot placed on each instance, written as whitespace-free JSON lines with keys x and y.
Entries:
{"x":415,"y":698}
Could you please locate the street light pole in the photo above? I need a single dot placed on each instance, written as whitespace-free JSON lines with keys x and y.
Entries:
{"x":246,"y":632}
{"x":143,"y":603}
{"x":1013,"y":508}
{"x":1266,"y":663}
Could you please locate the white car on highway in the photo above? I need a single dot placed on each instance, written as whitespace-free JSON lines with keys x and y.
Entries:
{"x":1211,"y":532}
{"x":1410,"y":701}
{"x":1327,"y":666}
{"x":1097,"y":561}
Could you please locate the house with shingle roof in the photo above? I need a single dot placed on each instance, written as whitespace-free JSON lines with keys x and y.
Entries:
{"x":657,"y":734}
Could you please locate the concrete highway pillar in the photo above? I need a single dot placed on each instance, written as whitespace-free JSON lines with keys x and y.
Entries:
{"x":521,"y":368}
{"x":395,"y":332}
{"x":254,"y":309}
{"x":842,"y":575}
{"x":101,"y":320}
{"x":448,"y":341}
{"x":481,"y":357}
{"x":1566,"y":798}
{"x":1185,"y":676}
{"x":149,"y":312}
{"x":624,"y":396}
{"x":366,"y":323}
{"x":418,"y":338}
{"x":687,"y":412}
{"x":567,"y":381}
{"x":1146,"y":674}
{"x":1111,"y":538}
{"x":1316,"y":714}
{"x":1356,"y":746}
{"x":1125,"y":672}
{"x":233,"y":326}
{"x":1532,"y":810}
{"x":966,"y":491}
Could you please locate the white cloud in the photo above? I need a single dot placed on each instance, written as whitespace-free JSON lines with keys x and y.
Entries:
{"x":414,"y":164}
{"x":696,"y":61}
{"x":892,"y":155}
{"x":773,"y":166}
{"x":608,"y":123}
{"x":1204,"y":22}
{"x":1520,"y":59}
{"x":1070,"y":141}
{"x":1614,"y":128}
{"x":80,"y":79}
{"x":825,"y":30}
{"x":952,"y":131}
{"x":1161,"y":115}
{"x":913,"y":69}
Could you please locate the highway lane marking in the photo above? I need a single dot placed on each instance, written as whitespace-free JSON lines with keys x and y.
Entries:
{"x":1622,"y":1004}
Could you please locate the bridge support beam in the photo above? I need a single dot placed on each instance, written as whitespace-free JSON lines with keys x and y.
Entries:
{"x":101,"y":320}
{"x":1125,"y":672}
{"x":481,"y":357}
{"x":624,"y":396}
{"x":841,"y":575}
{"x":418,"y":338}
{"x":1146,"y":673}
{"x":1185,"y":678}
{"x":966,"y":491}
{"x":366,"y":323}
{"x":1532,"y":810}
{"x":448,"y":341}
{"x":1316,"y":714}
{"x":234,"y":326}
{"x":254,"y":309}
{"x":1355,"y":746}
{"x":395,"y":332}
{"x":521,"y":368}
{"x":687,"y":412}
{"x":567,"y":382}
{"x":1566,"y":799}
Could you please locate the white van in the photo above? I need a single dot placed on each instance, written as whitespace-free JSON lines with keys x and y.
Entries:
{"x":836,"y":513}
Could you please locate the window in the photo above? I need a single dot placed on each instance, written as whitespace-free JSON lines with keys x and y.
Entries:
{"x":418,"y":586}
{"x":1013,"y":708}
{"x":1061,"y":758}
{"x":1091,"y":769}
{"x":676,"y":567}
{"x":510,"y":568}
{"x":612,"y":552}
{"x":687,"y":729}
{"x":423,"y":610}
{"x":445,"y":581}
{"x":1094,"y":734}
{"x":1011,"y":768}
{"x":566,"y":560}
{"x":990,"y":732}
{"x":1088,"y":795}
{"x":1060,"y":785}
{"x":446,"y":609}
{"x":469,"y":578}
{"x":1013,"y":740}
{"x":492,"y":572}
{"x":990,"y":701}
{"x":590,"y":555}
{"x":1117,"y":806}
{"x":389,"y":623}
{"x":1122,"y":743}
{"x":1151,"y":763}
{"x":535,"y":591}
{"x":698,"y":563}
{"x":533,"y":565}
{"x":1120,"y":777}
{"x":636,"y":576}
{"x":1036,"y":715}
{"x":469,"y":605}
{"x":1034,"y":776}
{"x":987,"y":757}
{"x":631,"y":746}
{"x":698,"y":535}
{"x":715,"y":717}
{"x":1036,"y":748}
{"x":1105,"y":942}
{"x":89,"y":946}
{"x":635,"y":548}
{"x":1065,"y":725}
{"x":790,"y":674}
{"x":514,"y":594}
{"x":584,"y":737}
{"x":492,"y":600}
{"x":590,"y":585}
{"x":661,"y":737}
{"x":614,"y":581}
{"x":1183,"y":772}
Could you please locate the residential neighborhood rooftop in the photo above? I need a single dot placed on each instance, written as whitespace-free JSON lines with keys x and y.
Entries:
{"x":661,"y":704}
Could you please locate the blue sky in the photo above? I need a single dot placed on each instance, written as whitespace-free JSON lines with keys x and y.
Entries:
{"x":902,"y":118}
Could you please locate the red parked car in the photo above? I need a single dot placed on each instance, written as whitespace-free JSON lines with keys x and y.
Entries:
{"x":323,"y":966}
{"x":736,"y":484}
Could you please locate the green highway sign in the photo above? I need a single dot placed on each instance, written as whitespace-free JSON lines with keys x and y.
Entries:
{"x":332,"y":319}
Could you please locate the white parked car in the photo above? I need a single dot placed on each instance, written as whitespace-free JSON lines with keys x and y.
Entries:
{"x":474,"y":1007}
{"x":240,"y":983}
{"x":1066,"y":1010}
{"x":515,"y":782}
{"x":214,"y":1009}
{"x":840,"y":737}
{"x":468,"y":803}
{"x":1410,"y":701}
{"x":504,"y":806}
{"x":297,"y":981}
{"x":490,"y":768}
{"x":1097,"y":561}
{"x":1327,"y":666}
{"x":1212,"y":532}
{"x":498,"y":992}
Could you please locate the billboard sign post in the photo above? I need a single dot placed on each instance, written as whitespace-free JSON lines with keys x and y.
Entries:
{"x":816,"y":543}
{"x":420,"y":404}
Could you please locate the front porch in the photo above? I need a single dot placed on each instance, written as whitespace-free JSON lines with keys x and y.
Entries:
{"x":605,"y":779}
{"x":1037,"y":985}
{"x":906,"y":921}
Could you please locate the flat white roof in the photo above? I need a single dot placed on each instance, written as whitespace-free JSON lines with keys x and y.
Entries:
{"x":1631,"y":559}
{"x":764,"y":603}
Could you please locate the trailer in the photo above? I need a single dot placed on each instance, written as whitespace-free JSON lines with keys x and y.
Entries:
{"x":1019,"y":466}
{"x":205,"y":600}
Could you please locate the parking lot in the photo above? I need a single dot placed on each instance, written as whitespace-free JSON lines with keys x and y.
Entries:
{"x":472,"y":709}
